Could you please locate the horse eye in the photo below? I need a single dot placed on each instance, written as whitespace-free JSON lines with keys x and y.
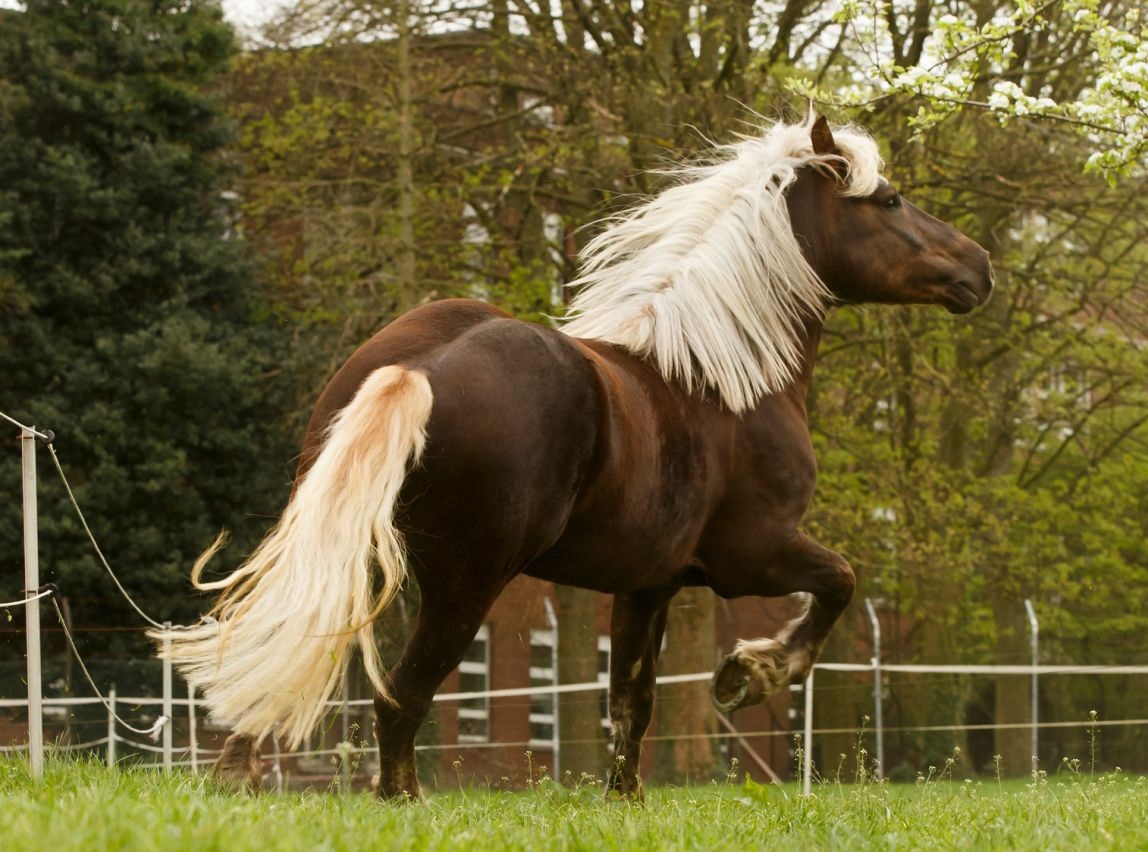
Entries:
{"x":892,"y":202}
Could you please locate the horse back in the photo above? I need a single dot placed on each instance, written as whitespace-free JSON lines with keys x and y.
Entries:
{"x":408,"y":338}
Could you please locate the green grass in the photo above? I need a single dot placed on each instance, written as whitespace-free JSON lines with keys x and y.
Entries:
{"x":83,"y":805}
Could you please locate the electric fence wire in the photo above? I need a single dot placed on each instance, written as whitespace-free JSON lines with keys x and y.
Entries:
{"x":43,"y":594}
{"x":159,"y":723}
{"x":154,"y":731}
{"x":95,"y":545}
{"x":47,"y":438}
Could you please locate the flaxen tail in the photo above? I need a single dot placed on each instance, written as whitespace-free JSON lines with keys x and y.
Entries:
{"x":287,"y":617}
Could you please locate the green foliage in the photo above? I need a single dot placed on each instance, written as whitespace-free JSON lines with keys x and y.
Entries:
{"x":128,"y":314}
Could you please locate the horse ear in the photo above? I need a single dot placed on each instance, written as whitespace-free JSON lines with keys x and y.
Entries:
{"x":822,"y":136}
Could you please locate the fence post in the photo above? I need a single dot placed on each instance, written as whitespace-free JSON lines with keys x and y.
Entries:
{"x":345,"y":744}
{"x":552,"y":621}
{"x":807,"y":764}
{"x":877,"y":698}
{"x":1034,"y":627}
{"x":112,"y":727}
{"x":192,"y":732}
{"x":32,"y":609}
{"x":167,"y":709}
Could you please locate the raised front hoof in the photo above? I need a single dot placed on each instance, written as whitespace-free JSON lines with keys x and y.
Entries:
{"x":239,"y":767}
{"x":736,"y":684}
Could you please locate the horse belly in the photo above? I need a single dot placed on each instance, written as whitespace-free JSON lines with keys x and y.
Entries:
{"x":610,"y":561}
{"x":629,"y":539}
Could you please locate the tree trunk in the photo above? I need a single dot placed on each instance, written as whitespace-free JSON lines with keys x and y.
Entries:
{"x":404,"y":168}
{"x":1013,"y":694}
{"x":684,"y":711}
{"x":582,"y":743}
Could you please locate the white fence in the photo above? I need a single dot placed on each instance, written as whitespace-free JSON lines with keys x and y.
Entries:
{"x":193,"y":756}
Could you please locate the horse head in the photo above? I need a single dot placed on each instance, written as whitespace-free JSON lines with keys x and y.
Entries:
{"x":869,"y":244}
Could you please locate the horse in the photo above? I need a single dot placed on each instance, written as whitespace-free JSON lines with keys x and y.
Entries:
{"x":656,"y":439}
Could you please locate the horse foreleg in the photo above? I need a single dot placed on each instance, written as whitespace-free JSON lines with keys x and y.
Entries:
{"x":637,"y":622}
{"x":759,"y":667}
{"x":239,"y":766}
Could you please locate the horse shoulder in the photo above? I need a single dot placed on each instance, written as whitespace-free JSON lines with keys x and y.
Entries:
{"x":660,"y":456}
{"x":769,"y":489}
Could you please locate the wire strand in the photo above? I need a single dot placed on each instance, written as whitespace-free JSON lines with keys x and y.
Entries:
{"x":42,"y":594}
{"x":152,"y":732}
{"x":92,"y":539}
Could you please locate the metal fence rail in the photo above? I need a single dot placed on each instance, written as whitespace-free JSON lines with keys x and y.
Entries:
{"x":191,"y":755}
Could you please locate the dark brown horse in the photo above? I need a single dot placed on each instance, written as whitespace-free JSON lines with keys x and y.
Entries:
{"x":658,"y":440}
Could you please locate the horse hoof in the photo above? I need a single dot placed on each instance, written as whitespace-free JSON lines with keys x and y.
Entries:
{"x":730,"y":685}
{"x":239,"y":768}
{"x":634,"y":797}
{"x":397,"y":795}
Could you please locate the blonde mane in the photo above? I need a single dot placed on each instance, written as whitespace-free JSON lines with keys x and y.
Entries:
{"x":707,"y":279}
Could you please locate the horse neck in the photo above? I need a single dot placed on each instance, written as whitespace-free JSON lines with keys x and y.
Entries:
{"x":810,"y":339}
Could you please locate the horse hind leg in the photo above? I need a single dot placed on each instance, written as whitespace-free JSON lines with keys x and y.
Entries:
{"x":240,"y":766}
{"x":757,"y":668}
{"x":449,"y":617}
{"x":637,"y":623}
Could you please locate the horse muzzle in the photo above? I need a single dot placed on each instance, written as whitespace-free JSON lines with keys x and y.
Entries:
{"x":971,"y":287}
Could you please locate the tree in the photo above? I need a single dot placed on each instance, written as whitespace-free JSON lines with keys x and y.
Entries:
{"x":129,"y":313}
{"x":1009,"y":59}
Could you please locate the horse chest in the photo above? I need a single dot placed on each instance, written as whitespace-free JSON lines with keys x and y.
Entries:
{"x":772,"y":468}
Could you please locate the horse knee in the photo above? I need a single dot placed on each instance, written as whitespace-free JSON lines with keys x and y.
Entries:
{"x":842,"y":582}
{"x":831,"y":583}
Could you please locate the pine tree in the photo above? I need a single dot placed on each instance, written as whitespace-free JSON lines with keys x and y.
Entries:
{"x":131,"y":320}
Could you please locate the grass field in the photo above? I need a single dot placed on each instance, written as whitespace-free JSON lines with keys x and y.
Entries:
{"x":83,"y":805}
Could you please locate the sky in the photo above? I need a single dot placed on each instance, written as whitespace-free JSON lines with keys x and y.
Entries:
{"x":248,"y":13}
{"x":244,"y":13}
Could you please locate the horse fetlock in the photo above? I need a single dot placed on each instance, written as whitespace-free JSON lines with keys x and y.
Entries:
{"x":399,"y":787}
{"x":799,"y":664}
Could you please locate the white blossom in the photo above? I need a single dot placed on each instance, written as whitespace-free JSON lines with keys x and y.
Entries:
{"x":1112,"y":112}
